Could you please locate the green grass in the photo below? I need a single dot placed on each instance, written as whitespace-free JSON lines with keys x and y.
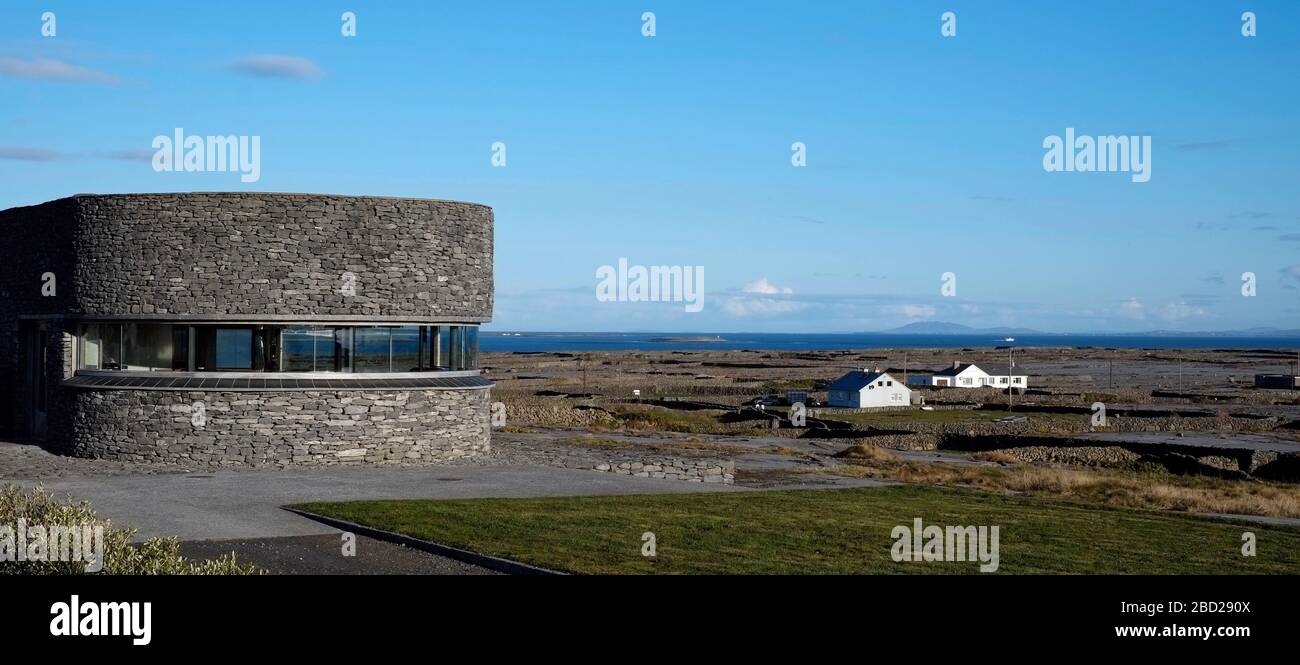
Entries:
{"x":823,"y":531}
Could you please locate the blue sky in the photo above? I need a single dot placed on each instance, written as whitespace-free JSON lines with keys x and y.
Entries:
{"x":924,"y":153}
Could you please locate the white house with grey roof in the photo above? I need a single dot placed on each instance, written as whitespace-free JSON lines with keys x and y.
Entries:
{"x":969,"y":375}
{"x":867,"y":390}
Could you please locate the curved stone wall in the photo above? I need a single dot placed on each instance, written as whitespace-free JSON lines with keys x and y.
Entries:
{"x":255,"y":256}
{"x":277,"y":428}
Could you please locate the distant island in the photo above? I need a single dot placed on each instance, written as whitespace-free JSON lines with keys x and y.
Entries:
{"x":697,"y":339}
{"x":944,"y":328}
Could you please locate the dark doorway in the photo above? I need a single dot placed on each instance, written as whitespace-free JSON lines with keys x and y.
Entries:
{"x":36,"y":341}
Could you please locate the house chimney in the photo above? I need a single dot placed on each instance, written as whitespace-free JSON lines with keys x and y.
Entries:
{"x":956,"y":364}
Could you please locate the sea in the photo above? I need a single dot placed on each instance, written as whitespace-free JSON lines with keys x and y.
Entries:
{"x":537,"y":342}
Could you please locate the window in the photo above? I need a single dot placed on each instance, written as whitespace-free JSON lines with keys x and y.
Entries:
{"x":141,"y":347}
{"x":371,"y":349}
{"x":1017,"y":380}
{"x":406,"y":349}
{"x":152,"y":347}
{"x":234,"y":348}
{"x":308,"y":349}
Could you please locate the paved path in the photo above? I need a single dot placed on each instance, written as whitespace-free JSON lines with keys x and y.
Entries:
{"x":246,"y":504}
{"x":323,"y":555}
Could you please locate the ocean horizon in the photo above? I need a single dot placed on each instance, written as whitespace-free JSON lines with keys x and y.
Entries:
{"x":539,"y":342}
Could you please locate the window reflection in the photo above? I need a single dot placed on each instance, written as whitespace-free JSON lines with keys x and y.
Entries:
{"x":277,"y":348}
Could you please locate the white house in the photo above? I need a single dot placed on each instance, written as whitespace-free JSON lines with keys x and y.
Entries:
{"x":957,"y":376}
{"x":971,"y":376}
{"x":1014,"y":379}
{"x":865,"y":390}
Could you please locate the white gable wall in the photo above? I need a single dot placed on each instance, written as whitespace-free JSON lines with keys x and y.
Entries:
{"x":884,"y":391}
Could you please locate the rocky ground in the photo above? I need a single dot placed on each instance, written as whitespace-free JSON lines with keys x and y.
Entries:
{"x":1202,"y":395}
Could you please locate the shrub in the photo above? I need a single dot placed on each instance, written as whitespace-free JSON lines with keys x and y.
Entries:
{"x":156,"y":556}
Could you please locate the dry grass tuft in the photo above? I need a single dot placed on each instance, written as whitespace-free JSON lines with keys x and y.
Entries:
{"x":1109,"y":487}
{"x":866,"y":451}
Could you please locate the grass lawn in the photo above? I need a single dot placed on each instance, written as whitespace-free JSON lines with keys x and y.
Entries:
{"x":823,"y":531}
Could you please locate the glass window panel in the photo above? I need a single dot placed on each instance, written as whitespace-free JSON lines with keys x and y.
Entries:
{"x":180,"y":348}
{"x":371,"y":349}
{"x":149,"y":347}
{"x":298,"y":348}
{"x":440,"y":347}
{"x":111,"y":348}
{"x":90,"y":346}
{"x":234,"y":348}
{"x":471,"y":347}
{"x":406,"y":349}
{"x":343,"y":349}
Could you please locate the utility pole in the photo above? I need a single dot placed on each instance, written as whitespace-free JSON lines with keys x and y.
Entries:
{"x":1180,"y":374}
{"x":1112,"y":370}
{"x":905,"y":365}
{"x":1009,"y":379}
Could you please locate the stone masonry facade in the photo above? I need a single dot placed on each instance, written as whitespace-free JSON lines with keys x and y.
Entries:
{"x":308,"y":428}
{"x":243,"y":257}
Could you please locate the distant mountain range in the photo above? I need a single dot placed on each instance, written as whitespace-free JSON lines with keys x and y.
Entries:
{"x":943,"y":328}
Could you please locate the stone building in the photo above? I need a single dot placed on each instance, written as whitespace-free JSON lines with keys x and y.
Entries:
{"x":246,"y":328}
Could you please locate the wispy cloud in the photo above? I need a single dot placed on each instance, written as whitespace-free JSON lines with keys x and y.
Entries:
{"x":1181,"y":311}
{"x":268,"y":65}
{"x":1203,"y":145}
{"x":27,"y":154}
{"x":1133,"y":309}
{"x":38,"y":154}
{"x":1289,"y":237}
{"x":48,"y":69}
{"x":761,"y":285}
{"x":129,"y":155}
{"x":1250,"y":214}
{"x":805,"y":218}
{"x":912,"y":311}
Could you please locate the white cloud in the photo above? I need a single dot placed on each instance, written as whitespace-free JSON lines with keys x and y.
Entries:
{"x":1133,"y":309}
{"x":47,"y":69}
{"x":1181,"y":310}
{"x":912,"y":311}
{"x":268,"y":65}
{"x":760,"y":306}
{"x":761,"y":285}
